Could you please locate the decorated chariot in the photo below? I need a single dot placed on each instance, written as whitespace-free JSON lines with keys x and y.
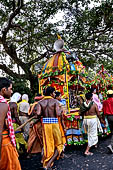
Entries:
{"x":66,"y":74}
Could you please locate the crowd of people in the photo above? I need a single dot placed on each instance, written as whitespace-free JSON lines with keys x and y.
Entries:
{"x":39,"y":128}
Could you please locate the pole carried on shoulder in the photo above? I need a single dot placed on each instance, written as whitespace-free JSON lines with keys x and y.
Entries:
{"x":21,"y":126}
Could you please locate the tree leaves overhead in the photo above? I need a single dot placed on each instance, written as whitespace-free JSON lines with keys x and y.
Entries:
{"x":90,"y":30}
{"x":28,"y":32}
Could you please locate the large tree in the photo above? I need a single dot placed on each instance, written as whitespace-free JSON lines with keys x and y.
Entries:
{"x":89,"y":27}
{"x":27,"y":35}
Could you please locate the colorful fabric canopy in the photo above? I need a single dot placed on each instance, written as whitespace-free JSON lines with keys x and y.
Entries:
{"x":58,"y":61}
{"x":57,"y":66}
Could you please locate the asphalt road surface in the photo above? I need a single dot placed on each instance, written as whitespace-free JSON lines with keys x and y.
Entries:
{"x":74,"y":159}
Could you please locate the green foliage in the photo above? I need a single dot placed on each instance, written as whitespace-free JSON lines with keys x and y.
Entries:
{"x":89,"y":31}
{"x":23,"y":87}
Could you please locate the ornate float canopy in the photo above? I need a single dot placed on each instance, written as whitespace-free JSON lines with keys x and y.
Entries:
{"x":64,"y":72}
{"x":102,"y":81}
{"x":58,"y":65}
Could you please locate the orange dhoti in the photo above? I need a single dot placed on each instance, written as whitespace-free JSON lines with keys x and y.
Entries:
{"x":35,"y":141}
{"x":9,"y":156}
{"x":52,"y":139}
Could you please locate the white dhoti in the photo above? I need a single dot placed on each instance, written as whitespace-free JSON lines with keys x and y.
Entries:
{"x":90,"y":124}
{"x":100,"y":130}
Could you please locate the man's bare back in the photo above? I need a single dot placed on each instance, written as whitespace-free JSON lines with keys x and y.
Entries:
{"x":92,"y":111}
{"x":48,"y":108}
{"x":14,"y":114}
{"x":13,"y":108}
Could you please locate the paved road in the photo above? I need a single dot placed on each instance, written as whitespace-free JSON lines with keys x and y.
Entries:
{"x":75,"y":159}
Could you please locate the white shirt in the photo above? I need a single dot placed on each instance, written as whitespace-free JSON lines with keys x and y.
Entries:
{"x":24,"y":107}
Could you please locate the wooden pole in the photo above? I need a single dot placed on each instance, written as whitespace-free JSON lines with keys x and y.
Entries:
{"x":39,"y":85}
{"x":21,"y":126}
{"x":67,"y":90}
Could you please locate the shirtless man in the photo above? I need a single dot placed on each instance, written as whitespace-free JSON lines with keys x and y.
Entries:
{"x":90,"y":121}
{"x":49,"y":109}
{"x":8,"y":154}
{"x":35,"y":141}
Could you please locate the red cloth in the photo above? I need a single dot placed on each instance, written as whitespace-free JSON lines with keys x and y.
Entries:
{"x":10,"y":124}
{"x":108,"y":106}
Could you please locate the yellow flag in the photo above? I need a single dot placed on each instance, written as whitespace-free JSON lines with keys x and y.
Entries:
{"x":59,"y":37}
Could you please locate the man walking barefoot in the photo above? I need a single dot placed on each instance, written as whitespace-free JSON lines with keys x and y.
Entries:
{"x":8,"y":154}
{"x":49,"y":109}
{"x":90,"y":122}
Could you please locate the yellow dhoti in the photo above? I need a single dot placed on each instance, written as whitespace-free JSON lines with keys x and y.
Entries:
{"x":62,"y":131}
{"x":52,"y":139}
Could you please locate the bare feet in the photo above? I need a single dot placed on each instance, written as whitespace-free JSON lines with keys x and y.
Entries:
{"x":95,"y":146}
{"x":49,"y":165}
{"x":62,"y":155}
{"x":88,"y":153}
{"x":29,"y":156}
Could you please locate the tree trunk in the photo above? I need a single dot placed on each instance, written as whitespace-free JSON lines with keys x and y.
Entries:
{"x":34,"y":84}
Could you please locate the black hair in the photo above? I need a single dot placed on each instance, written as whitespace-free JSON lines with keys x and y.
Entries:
{"x":49,"y":91}
{"x":109,"y":87}
{"x":92,"y":90}
{"x":4,"y":82}
{"x":109,"y":95}
{"x":57,"y":94}
{"x":88,"y":96}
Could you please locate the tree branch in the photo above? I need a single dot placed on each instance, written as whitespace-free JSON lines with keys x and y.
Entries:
{"x":37,"y":59}
{"x":11,"y":50}
{"x":45,"y":47}
{"x":12,"y":16}
{"x":10,"y":72}
{"x":90,"y":36}
{"x":21,"y":47}
{"x":17,"y":26}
